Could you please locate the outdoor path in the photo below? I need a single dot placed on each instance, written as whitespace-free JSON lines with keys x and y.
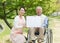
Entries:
{"x":56,"y":30}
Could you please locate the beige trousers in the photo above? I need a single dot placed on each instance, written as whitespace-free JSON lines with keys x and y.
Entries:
{"x":41,"y":33}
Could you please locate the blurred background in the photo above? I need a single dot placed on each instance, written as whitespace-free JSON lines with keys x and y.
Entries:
{"x":9,"y":9}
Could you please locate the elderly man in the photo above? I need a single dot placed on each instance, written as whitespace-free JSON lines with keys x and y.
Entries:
{"x":41,"y":29}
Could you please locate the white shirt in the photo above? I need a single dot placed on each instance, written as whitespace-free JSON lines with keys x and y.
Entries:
{"x":44,"y":20}
{"x":19,"y":22}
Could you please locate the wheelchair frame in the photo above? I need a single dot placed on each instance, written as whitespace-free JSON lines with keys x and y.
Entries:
{"x":47,"y":39}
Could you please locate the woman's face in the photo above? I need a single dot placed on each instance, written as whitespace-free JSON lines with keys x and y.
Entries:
{"x":22,"y":11}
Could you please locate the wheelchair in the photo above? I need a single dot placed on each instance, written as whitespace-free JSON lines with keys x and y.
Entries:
{"x":48,"y":36}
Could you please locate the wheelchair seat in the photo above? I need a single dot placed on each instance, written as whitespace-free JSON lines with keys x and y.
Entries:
{"x":37,"y":32}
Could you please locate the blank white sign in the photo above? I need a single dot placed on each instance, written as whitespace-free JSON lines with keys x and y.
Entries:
{"x":33,"y":21}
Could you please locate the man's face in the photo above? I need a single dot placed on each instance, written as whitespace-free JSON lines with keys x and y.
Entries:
{"x":38,"y":11}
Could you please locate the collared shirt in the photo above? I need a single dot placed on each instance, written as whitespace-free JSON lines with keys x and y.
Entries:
{"x":44,"y":20}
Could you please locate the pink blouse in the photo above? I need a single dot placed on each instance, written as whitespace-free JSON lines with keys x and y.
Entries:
{"x":19,"y":22}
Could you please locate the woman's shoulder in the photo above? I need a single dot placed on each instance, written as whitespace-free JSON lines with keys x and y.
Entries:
{"x":17,"y":16}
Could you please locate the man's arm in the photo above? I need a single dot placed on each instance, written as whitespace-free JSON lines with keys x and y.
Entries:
{"x":45,"y":22}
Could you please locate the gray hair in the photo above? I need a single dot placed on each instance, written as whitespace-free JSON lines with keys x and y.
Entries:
{"x":39,"y":7}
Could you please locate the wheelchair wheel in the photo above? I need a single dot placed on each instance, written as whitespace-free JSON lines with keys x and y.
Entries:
{"x":46,"y":38}
{"x":50,"y":36}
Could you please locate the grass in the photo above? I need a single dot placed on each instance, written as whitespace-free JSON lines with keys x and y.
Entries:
{"x":5,"y":31}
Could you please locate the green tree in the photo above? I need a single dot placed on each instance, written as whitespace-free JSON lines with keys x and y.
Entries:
{"x":9,"y":8}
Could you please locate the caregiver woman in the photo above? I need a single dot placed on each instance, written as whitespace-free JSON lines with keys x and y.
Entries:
{"x":17,"y":30}
{"x":19,"y":21}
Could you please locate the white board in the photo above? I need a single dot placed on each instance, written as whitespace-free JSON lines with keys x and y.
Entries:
{"x":33,"y":21}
